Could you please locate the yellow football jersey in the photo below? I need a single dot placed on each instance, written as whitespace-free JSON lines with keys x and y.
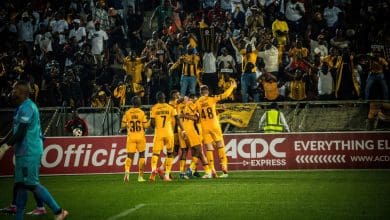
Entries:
{"x":135,"y":121}
{"x":206,"y":107}
{"x":163,"y":115}
{"x":188,"y":109}
{"x":190,"y":126}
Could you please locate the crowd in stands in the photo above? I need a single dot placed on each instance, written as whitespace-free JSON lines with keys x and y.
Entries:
{"x":94,"y":52}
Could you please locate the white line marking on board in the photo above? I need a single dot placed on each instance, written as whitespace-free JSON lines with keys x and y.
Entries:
{"x":126,"y":212}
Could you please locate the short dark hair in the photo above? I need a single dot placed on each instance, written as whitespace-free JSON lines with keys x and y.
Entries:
{"x":136,"y":100}
{"x":204,"y":87}
{"x":24,"y":85}
{"x":160,"y":96}
{"x":173,"y":92}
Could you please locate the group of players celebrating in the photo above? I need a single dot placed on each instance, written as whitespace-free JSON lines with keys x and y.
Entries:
{"x":186,"y":123}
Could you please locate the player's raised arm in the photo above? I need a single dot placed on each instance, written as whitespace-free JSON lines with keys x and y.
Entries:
{"x":228,"y":92}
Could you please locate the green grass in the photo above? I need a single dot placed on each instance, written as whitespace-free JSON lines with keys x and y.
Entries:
{"x":244,"y":195}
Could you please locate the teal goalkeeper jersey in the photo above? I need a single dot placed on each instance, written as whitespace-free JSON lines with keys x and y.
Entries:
{"x":31,"y":144}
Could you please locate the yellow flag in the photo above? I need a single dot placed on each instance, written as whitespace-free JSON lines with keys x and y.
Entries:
{"x":238,"y":115}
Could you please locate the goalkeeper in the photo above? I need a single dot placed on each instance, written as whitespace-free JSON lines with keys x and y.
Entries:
{"x":28,"y":147}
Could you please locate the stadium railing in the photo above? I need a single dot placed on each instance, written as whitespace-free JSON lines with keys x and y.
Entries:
{"x":304,"y":116}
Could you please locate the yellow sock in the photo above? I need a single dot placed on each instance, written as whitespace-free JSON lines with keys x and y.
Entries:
{"x":194,"y":162}
{"x":141,"y":166}
{"x":154,"y":162}
{"x":206,"y":169}
{"x":169,"y":165}
{"x":210,"y":159}
{"x":182,"y":166}
{"x":127,"y":164}
{"x":222,"y":156}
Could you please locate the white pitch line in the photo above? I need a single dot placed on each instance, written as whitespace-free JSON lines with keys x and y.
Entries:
{"x":126,"y":212}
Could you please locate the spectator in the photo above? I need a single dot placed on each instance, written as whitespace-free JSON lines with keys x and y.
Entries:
{"x":116,"y":30}
{"x":61,"y":46}
{"x":43,"y":41}
{"x":255,"y":19}
{"x":346,"y":82}
{"x":331,"y":14}
{"x":161,"y":12}
{"x":271,"y":8}
{"x":59,"y":28}
{"x":101,"y":15}
{"x":248,"y":84}
{"x":209,"y":75}
{"x":26,"y":31}
{"x":134,"y":29}
{"x":339,"y":40}
{"x":317,"y":26}
{"x":325,"y":83}
{"x":238,"y":17}
{"x":225,"y":81}
{"x":296,"y":86}
{"x":226,"y":5}
{"x":98,"y":44}
{"x":159,"y":80}
{"x":248,"y":56}
{"x":295,"y":11}
{"x":378,"y":65}
{"x":269,"y":87}
{"x":318,"y":47}
{"x":189,"y":68}
{"x":134,"y":66}
{"x":298,"y":55}
{"x":78,"y":32}
{"x":270,"y":56}
{"x":100,"y":100}
{"x":226,"y":61}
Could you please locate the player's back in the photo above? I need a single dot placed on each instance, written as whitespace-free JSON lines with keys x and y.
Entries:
{"x":135,"y":120}
{"x":206,"y":107}
{"x":188,"y":109}
{"x":163,"y":115}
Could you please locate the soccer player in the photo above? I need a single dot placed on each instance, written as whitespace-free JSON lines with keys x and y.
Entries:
{"x":189,"y":118}
{"x":175,"y":95}
{"x":211,"y":129}
{"x":28,"y":145}
{"x":183,"y":144}
{"x":161,"y":116}
{"x":135,"y":122}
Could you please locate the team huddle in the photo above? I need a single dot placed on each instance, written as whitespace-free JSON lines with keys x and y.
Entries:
{"x":185,"y":123}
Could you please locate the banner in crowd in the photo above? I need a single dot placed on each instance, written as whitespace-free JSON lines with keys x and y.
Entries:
{"x":238,"y":114}
{"x":87,"y":155}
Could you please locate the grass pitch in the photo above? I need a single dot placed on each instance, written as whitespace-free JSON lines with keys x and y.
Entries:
{"x":244,"y":195}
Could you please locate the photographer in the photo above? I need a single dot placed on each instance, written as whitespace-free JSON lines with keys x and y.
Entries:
{"x":127,"y":90}
{"x":76,"y":125}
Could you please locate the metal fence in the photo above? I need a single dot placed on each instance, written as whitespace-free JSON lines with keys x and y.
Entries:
{"x":313,"y":116}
